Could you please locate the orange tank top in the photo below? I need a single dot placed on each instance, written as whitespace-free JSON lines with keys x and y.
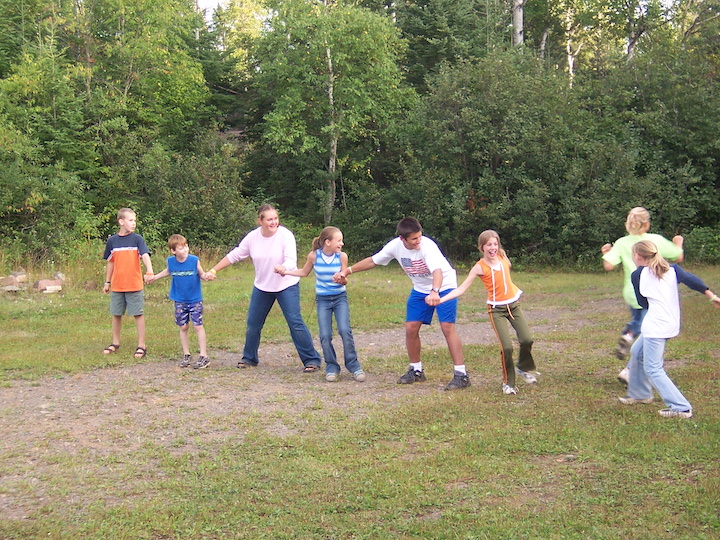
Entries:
{"x":501,"y":290}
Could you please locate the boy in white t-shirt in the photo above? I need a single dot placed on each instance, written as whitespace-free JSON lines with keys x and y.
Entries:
{"x":432,"y":278}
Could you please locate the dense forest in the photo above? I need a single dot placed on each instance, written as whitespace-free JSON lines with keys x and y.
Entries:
{"x":546,"y":120}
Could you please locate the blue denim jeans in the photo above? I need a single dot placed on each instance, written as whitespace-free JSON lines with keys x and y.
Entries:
{"x":647,"y":371}
{"x":633,"y":327}
{"x":260,"y":304}
{"x":337,"y":304}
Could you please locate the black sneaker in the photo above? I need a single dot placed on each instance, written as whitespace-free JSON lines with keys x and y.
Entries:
{"x":202,"y":363}
{"x":459,"y":381}
{"x":186,"y":361}
{"x":412,"y":376}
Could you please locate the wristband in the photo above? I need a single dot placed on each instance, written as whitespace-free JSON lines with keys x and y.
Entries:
{"x":212,"y":271}
{"x":714,"y":297}
{"x":107,"y":283}
{"x":349,"y":270}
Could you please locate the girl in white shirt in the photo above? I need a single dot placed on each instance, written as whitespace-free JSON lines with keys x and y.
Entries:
{"x":656,"y":286}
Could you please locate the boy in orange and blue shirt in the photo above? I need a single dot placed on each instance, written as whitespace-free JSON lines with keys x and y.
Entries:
{"x":124,"y":279}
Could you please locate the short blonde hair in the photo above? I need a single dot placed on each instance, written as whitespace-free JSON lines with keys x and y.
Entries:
{"x":637,"y":220}
{"x":124,"y":212}
{"x":176,"y":240}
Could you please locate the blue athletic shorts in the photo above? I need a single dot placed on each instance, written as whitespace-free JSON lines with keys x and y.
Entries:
{"x":418,"y":310}
{"x":188,"y":311}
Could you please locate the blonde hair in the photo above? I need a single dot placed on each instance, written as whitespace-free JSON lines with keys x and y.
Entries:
{"x":488,"y":235}
{"x":637,"y":220}
{"x":648,"y":251}
{"x":123,"y":212}
{"x":177,"y":240}
{"x":326,"y":234}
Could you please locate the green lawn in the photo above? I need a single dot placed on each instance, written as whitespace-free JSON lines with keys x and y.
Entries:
{"x":221,"y":453}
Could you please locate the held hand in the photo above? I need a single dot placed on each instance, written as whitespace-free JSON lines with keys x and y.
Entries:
{"x":715,"y":301}
{"x":149,"y":278}
{"x":280,"y":269}
{"x":605,"y":248}
{"x":432,"y":299}
{"x":340,"y":278}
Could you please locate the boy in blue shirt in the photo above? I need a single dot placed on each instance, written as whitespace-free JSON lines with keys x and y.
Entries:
{"x":186,"y":292}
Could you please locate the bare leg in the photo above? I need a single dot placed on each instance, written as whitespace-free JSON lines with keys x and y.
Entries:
{"x":140,"y":324}
{"x":412,"y":340}
{"x":202,"y":340}
{"x":184,"y":339}
{"x":453,"y":341}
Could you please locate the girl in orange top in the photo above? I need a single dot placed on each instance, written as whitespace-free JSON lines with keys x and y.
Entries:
{"x":503,"y":295}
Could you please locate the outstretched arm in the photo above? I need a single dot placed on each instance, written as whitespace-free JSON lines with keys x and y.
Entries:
{"x":300,"y":272}
{"x":211,"y":274}
{"x":164,"y":273}
{"x":475,"y":271}
{"x":365,"y":264}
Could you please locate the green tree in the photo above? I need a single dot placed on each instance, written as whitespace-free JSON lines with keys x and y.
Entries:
{"x":329,"y":71}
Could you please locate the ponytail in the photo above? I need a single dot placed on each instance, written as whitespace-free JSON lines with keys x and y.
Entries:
{"x":326,"y":234}
{"x":648,"y":251}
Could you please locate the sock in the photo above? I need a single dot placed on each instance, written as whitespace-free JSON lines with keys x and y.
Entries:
{"x":417,"y":366}
{"x":461,"y":369}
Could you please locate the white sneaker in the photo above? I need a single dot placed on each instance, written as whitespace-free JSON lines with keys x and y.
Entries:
{"x":669,"y":413}
{"x":627,"y":400}
{"x":509,"y":390}
{"x":332,"y":377}
{"x":359,"y":375}
{"x":624,"y":376}
{"x":527,"y":377}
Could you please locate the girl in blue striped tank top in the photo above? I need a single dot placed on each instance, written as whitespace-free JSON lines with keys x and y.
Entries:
{"x":328,"y":259}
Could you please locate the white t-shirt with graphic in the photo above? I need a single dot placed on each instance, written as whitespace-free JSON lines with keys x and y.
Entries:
{"x":419,"y":264}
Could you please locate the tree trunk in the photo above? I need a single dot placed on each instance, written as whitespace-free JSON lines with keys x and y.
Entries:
{"x":332,"y":160}
{"x":517,"y":23}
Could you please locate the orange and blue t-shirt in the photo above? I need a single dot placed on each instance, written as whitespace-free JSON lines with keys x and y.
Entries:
{"x":125,"y":252}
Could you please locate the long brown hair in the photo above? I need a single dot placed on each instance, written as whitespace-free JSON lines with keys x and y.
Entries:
{"x":326,"y":234}
{"x":485,"y":237}
{"x":648,"y":252}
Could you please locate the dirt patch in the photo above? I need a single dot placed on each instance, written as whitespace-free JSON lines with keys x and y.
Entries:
{"x":101,"y":414}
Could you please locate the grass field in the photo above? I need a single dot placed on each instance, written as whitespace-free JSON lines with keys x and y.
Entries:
{"x":111,"y":447}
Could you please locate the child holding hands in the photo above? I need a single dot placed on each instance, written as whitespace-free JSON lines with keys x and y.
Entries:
{"x":327,"y":259}
{"x":493,"y":269}
{"x":185,"y":290}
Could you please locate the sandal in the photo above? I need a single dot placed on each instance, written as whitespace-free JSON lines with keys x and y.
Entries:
{"x":111,"y":349}
{"x":140,"y":352}
{"x":311,"y":369}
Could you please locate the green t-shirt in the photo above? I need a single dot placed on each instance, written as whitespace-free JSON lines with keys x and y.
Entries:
{"x":621,"y":252}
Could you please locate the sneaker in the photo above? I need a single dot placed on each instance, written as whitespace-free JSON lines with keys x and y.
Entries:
{"x":186,"y":361}
{"x":669,"y":413}
{"x":202,"y":363}
{"x":627,"y":400}
{"x":624,"y":376}
{"x":527,"y":377}
{"x":359,"y":375}
{"x":332,"y":377}
{"x":509,"y":390}
{"x":623,"y":348}
{"x":458,"y":382}
{"x":412,"y":376}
